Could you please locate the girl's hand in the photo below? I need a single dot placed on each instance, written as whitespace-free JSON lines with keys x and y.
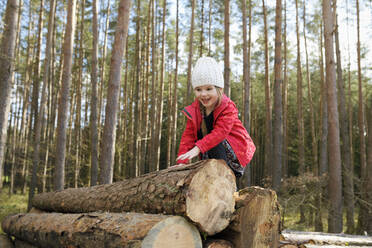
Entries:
{"x":190,"y":154}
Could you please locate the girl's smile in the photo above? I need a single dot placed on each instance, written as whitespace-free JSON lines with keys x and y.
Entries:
{"x":207,"y":96}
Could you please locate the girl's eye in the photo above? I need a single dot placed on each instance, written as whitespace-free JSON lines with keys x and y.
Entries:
{"x":209,"y":89}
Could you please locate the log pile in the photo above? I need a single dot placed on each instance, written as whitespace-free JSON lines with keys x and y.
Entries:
{"x":167,"y":208}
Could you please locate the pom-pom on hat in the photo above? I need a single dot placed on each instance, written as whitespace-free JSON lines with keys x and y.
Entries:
{"x":207,"y":72}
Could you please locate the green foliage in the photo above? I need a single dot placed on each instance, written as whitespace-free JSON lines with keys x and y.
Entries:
{"x":13,"y":204}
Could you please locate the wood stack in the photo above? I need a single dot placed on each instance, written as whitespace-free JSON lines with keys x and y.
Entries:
{"x":168,"y":208}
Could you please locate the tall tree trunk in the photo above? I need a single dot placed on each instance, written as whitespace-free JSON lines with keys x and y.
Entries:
{"x":137,"y":123}
{"x":334,"y":156}
{"x":209,"y":27}
{"x":368,"y":182}
{"x":189,"y":62}
{"x":278,"y":109}
{"x":7,"y":48}
{"x":79,"y":83}
{"x":246,"y":181}
{"x":94,"y":110}
{"x":109,"y":132}
{"x":285,"y":99}
{"x":362,"y":225}
{"x":300,"y":118}
{"x":36,"y":68}
{"x":201,"y":29}
{"x":268,"y":119}
{"x":345,"y":144}
{"x":59,"y":176}
{"x":160,"y":104}
{"x":314,"y":145}
{"x":40,"y":116}
{"x":103,"y":68}
{"x":323,"y":133}
{"x":323,"y":158}
{"x":227,"y":69}
{"x":174,"y":102}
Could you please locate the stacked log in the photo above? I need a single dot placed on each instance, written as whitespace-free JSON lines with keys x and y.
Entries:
{"x":109,"y":230}
{"x":166,"y":208}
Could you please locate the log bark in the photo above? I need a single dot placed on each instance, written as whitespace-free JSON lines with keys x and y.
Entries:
{"x":5,"y":241}
{"x":255,"y":222}
{"x":202,"y":192}
{"x":102,"y":230}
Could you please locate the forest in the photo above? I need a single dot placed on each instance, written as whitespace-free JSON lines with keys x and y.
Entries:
{"x":91,"y":93}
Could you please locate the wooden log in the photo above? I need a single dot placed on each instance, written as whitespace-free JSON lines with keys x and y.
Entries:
{"x":217,"y":243}
{"x":255,"y":222}
{"x":107,"y":230}
{"x":202,"y":192}
{"x":5,"y":242}
{"x":22,"y":244}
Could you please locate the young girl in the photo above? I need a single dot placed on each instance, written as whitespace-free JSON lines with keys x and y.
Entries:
{"x":213,"y":128}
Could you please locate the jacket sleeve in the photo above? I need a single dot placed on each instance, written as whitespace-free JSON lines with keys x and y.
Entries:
{"x":221,"y":129}
{"x":187,"y":141}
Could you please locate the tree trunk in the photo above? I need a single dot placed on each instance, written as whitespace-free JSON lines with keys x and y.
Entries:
{"x":334,"y":156}
{"x":36,"y":70}
{"x":345,"y":138}
{"x":175,"y":103}
{"x":201,"y":29}
{"x":278,"y":105}
{"x":227,"y":69}
{"x":255,"y":222}
{"x":285,"y":98}
{"x":160,"y":104}
{"x":246,"y":180}
{"x":59,"y":176}
{"x":323,"y":157}
{"x":102,"y":230}
{"x":7,"y":48}
{"x":189,"y":62}
{"x":109,"y":133}
{"x":268,"y":119}
{"x":368,"y":182}
{"x":177,"y":190}
{"x":40,"y":116}
{"x":314,"y":145}
{"x":94,"y":110}
{"x":103,"y":67}
{"x":362,"y":224}
{"x":300,"y":118}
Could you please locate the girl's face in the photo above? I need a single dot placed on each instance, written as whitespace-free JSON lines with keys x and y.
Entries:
{"x":207,"y":95}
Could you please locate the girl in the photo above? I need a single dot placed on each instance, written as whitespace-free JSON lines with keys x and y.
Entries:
{"x":213,"y":128}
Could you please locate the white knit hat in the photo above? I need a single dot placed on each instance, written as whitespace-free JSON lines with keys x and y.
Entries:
{"x":207,"y":72}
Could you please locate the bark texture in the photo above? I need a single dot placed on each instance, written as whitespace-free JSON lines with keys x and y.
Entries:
{"x":255,"y":222}
{"x":5,"y":241}
{"x":7,"y":48}
{"x":202,"y":191}
{"x":102,"y":230}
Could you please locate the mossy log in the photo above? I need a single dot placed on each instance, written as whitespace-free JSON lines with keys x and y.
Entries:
{"x":202,"y":192}
{"x":134,"y":230}
{"x":256,"y":220}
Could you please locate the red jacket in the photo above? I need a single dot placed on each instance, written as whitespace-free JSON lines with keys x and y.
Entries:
{"x":226,"y":125}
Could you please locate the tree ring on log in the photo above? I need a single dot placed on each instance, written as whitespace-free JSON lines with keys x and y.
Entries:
{"x":174,"y":230}
{"x":209,"y":200}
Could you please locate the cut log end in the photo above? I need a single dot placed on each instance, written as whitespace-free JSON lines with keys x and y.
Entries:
{"x":173,"y":232}
{"x":209,"y":201}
